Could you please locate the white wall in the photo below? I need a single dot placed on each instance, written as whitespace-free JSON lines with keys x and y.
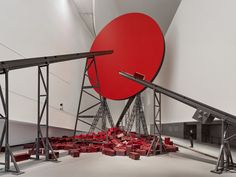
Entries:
{"x":32,"y":28}
{"x":200,"y":59}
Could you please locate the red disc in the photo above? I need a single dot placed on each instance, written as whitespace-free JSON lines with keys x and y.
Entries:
{"x":138,"y":46}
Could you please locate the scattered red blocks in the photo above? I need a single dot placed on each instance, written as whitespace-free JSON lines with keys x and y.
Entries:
{"x":113,"y":142}
{"x":134,"y":155}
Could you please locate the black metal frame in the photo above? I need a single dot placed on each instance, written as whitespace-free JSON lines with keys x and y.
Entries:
{"x":157,"y":124}
{"x":226,"y":118}
{"x":43,"y":112}
{"x":41,"y":62}
{"x":103,"y":110}
{"x":136,"y":113}
{"x":5,"y":132}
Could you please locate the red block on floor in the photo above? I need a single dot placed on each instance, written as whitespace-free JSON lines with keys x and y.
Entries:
{"x":171,"y":148}
{"x":128,"y":149}
{"x":21,"y":157}
{"x":75,"y":153}
{"x":167,"y":140}
{"x":51,"y":156}
{"x":134,"y":155}
{"x":141,"y":152}
{"x":108,"y":151}
{"x":120,"y":152}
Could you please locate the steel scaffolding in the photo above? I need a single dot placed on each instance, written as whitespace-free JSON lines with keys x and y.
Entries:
{"x":43,"y":95}
{"x":103,"y":111}
{"x":204,"y":113}
{"x":137,"y":114}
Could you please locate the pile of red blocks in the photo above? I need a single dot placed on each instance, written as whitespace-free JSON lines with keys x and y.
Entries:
{"x":111,"y":143}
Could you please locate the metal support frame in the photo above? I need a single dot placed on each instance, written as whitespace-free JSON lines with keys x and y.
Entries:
{"x":157,"y":124}
{"x":43,"y":113}
{"x":103,"y":110}
{"x":5,"y":67}
{"x":136,"y":113}
{"x":225,"y":159}
{"x":104,"y":114}
{"x":208,"y":114}
{"x":5,"y":133}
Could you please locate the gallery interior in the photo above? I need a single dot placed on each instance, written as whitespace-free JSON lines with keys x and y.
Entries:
{"x":129,"y":88}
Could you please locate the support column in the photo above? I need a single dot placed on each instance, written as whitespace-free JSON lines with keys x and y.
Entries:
{"x":43,"y":113}
{"x":5,"y":133}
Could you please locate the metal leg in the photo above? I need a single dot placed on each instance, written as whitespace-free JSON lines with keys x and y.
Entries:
{"x":225,"y":160}
{"x":157,"y":131}
{"x":5,"y":132}
{"x":131,"y":99}
{"x":43,"y":113}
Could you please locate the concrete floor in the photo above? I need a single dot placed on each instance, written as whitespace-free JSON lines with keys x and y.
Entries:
{"x":183,"y":163}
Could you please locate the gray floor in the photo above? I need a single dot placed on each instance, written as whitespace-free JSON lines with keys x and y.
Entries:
{"x":183,"y":163}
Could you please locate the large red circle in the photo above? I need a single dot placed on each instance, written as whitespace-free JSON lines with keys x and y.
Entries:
{"x":138,"y":46}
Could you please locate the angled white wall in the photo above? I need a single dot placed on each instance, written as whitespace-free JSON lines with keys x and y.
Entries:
{"x":32,"y":28}
{"x":200,"y":58}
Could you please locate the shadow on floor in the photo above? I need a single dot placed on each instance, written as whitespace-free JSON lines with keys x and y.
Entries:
{"x":193,"y":157}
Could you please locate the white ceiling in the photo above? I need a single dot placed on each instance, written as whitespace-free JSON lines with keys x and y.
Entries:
{"x":162,"y":11}
{"x":103,"y":11}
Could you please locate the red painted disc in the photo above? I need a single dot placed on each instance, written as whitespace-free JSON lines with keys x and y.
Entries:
{"x":138,"y":46}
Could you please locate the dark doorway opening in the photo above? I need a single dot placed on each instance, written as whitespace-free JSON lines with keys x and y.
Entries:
{"x":187,"y":128}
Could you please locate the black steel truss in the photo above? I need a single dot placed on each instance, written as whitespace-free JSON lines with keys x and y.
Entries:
{"x":43,"y":80}
{"x":188,"y":101}
{"x":5,"y":132}
{"x":227,"y":119}
{"x":103,"y":110}
{"x":136,"y":113}
{"x":39,"y":61}
{"x":43,"y":113}
{"x":157,"y":124}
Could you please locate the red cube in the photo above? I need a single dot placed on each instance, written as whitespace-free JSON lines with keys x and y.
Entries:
{"x":21,"y":157}
{"x":108,"y":151}
{"x":75,"y":153}
{"x":141,"y":152}
{"x":134,"y":155}
{"x":120,"y":152}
